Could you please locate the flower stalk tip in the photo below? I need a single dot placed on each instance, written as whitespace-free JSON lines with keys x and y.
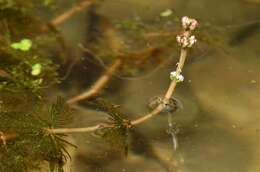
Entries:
{"x":189,"y":23}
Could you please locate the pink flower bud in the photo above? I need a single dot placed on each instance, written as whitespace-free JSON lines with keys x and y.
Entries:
{"x":189,"y":23}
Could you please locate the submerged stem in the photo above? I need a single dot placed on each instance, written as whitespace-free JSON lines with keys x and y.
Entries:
{"x":102,"y":81}
{"x":75,"y":130}
{"x":98,"y":85}
{"x":168,"y":94}
{"x":69,"y":13}
{"x":105,"y":78}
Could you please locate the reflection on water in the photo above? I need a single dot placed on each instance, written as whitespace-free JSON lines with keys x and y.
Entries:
{"x":219,"y":123}
{"x":210,"y":147}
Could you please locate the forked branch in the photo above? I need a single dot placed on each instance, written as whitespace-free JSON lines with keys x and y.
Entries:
{"x":186,"y":41}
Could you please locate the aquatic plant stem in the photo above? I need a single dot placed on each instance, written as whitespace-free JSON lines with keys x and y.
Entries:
{"x":104,"y":79}
{"x":170,"y":90}
{"x":69,"y":13}
{"x":168,"y":94}
{"x":135,"y":122}
{"x":75,"y":130}
{"x":66,"y":15}
{"x":98,"y":85}
{"x":5,"y":137}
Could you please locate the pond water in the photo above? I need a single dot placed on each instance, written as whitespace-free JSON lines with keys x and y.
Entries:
{"x":218,"y":126}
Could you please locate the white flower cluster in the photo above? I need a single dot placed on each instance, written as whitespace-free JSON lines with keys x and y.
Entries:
{"x":177,"y":77}
{"x":189,"y":23}
{"x":186,"y":41}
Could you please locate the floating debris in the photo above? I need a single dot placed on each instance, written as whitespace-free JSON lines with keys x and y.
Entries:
{"x":23,"y":45}
{"x":253,"y":81}
{"x":166,"y":13}
{"x":36,"y":69}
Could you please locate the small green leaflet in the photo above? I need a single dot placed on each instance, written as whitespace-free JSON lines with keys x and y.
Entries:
{"x":23,"y":45}
{"x":166,"y":13}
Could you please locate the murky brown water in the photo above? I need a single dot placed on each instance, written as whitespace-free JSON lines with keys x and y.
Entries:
{"x":219,"y":124}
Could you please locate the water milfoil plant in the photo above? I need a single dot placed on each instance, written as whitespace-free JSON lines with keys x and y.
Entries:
{"x":33,"y":131}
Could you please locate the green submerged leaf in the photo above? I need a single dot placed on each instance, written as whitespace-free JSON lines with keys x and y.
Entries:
{"x":60,"y":113}
{"x":117,"y":135}
{"x":32,"y":145}
{"x":112,"y":110}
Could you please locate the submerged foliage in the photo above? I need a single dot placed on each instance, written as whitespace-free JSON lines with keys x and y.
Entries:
{"x":32,"y":145}
{"x":28,"y":68}
{"x":117,"y":134}
{"x":20,"y":53}
{"x":23,"y":45}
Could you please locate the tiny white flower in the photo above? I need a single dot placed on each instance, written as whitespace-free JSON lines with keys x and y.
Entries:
{"x":185,"y":41}
{"x":173,"y":74}
{"x":194,"y":24}
{"x":178,"y":38}
{"x":185,"y":22}
{"x":180,"y":78}
{"x":192,"y":41}
{"x":177,"y":77}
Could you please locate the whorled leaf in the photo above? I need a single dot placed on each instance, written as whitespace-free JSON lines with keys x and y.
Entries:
{"x":117,"y":134}
{"x":117,"y":137}
{"x":112,"y":110}
{"x":32,"y":145}
{"x":60,"y":113}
